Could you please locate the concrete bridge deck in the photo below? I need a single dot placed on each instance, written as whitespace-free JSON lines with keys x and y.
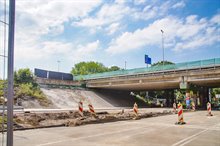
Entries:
{"x":205,"y":73}
{"x":206,"y":76}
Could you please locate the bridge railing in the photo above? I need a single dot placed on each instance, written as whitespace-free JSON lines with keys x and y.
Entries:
{"x":160,"y":68}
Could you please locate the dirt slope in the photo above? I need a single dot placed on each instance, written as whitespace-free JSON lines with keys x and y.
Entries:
{"x":67,"y":98}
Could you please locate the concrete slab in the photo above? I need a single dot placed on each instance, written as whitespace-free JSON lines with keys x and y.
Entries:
{"x":199,"y":130}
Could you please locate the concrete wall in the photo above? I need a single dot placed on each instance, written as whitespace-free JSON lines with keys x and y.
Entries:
{"x":119,"y":98}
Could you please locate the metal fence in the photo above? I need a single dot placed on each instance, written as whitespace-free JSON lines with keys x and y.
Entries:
{"x":177,"y":66}
{"x":52,"y":75}
{"x":40,"y":73}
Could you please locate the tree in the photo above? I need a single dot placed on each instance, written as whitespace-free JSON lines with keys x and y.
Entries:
{"x":161,"y":63}
{"x":23,"y":76}
{"x":85,"y":68}
{"x":216,"y":91}
{"x":114,"y":68}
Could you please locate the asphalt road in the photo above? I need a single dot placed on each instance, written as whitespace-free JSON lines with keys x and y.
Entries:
{"x":199,"y":130}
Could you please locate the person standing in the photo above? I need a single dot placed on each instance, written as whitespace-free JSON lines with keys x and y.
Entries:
{"x":188,"y":100}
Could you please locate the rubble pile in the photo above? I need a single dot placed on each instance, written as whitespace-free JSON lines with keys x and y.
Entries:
{"x":72,"y":118}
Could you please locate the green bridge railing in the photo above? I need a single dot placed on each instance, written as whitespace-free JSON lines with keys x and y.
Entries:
{"x":177,"y":66}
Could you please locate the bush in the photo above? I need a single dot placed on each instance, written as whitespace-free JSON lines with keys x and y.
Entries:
{"x":27,"y":87}
{"x":24,"y":90}
{"x":2,"y":87}
{"x":38,"y":94}
{"x":29,"y":90}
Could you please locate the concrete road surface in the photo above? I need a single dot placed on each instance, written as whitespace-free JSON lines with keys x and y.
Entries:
{"x":200,"y":130}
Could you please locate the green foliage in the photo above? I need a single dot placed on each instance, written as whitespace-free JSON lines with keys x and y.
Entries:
{"x":85,"y":68}
{"x":29,"y":90}
{"x":2,"y":87}
{"x":3,"y":120}
{"x":184,"y":105}
{"x":24,"y":90}
{"x":179,"y":95}
{"x":114,"y":68}
{"x":26,"y":85}
{"x":159,"y":63}
{"x":216,"y":91}
{"x":23,"y":76}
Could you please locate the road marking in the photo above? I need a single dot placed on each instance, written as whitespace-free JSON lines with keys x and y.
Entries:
{"x":191,"y":138}
{"x":72,"y":139}
{"x":183,"y":126}
{"x":188,"y":139}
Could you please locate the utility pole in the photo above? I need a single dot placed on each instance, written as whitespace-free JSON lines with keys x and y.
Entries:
{"x":162,"y":45}
{"x":10,"y":91}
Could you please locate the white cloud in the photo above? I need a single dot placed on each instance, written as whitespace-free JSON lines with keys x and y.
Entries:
{"x":85,"y":52}
{"x":139,"y":2}
{"x":120,"y":1}
{"x":113,"y":28}
{"x":45,"y":16}
{"x":150,"y":35}
{"x":179,"y":5}
{"x":33,"y":50}
{"x":55,"y":47}
{"x":189,"y":33}
{"x":43,"y":32}
{"x":216,"y":19}
{"x":152,"y":10}
{"x":49,"y":49}
{"x":109,"y":13}
{"x":38,"y":18}
{"x":56,"y":30}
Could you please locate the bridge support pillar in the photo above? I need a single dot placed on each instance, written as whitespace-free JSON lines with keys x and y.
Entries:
{"x":204,"y":96}
{"x":169,"y":95}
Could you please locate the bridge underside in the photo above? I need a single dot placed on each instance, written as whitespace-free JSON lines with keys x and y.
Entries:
{"x":158,"y":85}
{"x":205,"y":77}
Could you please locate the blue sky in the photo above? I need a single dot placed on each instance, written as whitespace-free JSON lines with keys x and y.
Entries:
{"x":113,"y":31}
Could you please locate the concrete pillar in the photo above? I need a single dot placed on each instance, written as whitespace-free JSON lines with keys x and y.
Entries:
{"x":204,"y":95}
{"x":169,"y":95}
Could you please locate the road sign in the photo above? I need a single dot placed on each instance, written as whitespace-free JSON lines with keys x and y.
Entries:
{"x":147,"y":59}
{"x":183,"y":85}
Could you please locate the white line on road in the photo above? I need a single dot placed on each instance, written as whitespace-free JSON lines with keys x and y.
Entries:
{"x":184,"y":141}
{"x":191,"y":138}
{"x":120,"y":131}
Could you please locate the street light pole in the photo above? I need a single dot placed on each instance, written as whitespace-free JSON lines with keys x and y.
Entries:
{"x":10,"y":92}
{"x":125,"y":64}
{"x":162,"y":45}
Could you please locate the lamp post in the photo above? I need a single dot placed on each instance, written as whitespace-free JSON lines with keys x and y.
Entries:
{"x":125,"y":64}
{"x":10,"y":91}
{"x":162,"y":32}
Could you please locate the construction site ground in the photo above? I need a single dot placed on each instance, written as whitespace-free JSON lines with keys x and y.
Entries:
{"x":44,"y":118}
{"x":199,"y":130}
